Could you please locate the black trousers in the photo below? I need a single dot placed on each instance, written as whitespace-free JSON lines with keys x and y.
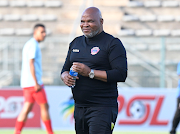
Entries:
{"x":176,"y":118}
{"x":95,"y":120}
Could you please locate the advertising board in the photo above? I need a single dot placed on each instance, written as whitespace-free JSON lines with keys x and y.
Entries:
{"x":145,"y":109}
{"x":11,"y":103}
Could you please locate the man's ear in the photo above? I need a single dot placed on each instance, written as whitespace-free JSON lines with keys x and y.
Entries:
{"x":101,"y":20}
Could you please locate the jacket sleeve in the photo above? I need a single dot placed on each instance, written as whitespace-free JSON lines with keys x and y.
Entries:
{"x":118,"y":62}
{"x":67,"y":64}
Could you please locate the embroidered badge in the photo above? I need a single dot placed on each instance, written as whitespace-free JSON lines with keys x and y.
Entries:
{"x":94,"y":50}
{"x":76,"y":50}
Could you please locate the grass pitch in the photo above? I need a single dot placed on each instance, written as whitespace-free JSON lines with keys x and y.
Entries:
{"x":72,"y":132}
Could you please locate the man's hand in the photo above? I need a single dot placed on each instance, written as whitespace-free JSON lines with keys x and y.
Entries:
{"x":37,"y":87}
{"x":81,"y":68}
{"x":84,"y":70}
{"x":68,"y":79}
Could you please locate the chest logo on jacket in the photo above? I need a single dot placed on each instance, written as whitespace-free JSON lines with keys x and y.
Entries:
{"x":95,"y":50}
{"x":76,"y":50}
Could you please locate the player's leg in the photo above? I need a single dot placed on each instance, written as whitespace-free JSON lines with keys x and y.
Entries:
{"x":45,"y":111}
{"x":28,"y":104}
{"x":46,"y":117}
{"x":102,"y":120}
{"x":41,"y":99}
{"x":81,"y":126}
{"x":23,"y":117}
{"x":176,"y":118}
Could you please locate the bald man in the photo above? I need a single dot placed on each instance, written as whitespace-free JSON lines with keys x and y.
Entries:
{"x":100,"y":60}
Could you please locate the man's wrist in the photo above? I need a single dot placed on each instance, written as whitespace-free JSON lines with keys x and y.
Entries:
{"x":36,"y":83}
{"x":91,"y":74}
{"x":64,"y":74}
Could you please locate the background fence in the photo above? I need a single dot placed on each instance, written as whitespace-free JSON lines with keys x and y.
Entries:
{"x":152,"y":62}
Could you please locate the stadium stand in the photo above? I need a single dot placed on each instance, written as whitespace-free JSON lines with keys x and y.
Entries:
{"x":148,"y":30}
{"x":17,"y":3}
{"x":170,"y":3}
{"x":24,"y":32}
{"x":165,"y":18}
{"x":135,"y":3}
{"x":143,"y":32}
{"x":53,"y":4}
{"x":177,"y":18}
{"x":126,"y":32}
{"x":175,"y":33}
{"x":3,"y":3}
{"x":47,"y":18}
{"x":148,"y":18}
{"x":162,"y":32}
{"x":130,"y":18}
{"x":35,"y":4}
{"x":1,"y":17}
{"x":30,"y":17}
{"x":7,"y":31}
{"x":11,"y":17}
{"x":158,"y":21}
{"x":152,"y":3}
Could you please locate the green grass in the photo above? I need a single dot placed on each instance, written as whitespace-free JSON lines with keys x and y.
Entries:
{"x":72,"y":132}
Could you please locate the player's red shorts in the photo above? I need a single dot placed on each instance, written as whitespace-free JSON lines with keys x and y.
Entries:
{"x":31,"y":95}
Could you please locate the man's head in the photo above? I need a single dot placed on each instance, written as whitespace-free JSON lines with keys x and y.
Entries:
{"x":39,"y":32}
{"x":91,"y":22}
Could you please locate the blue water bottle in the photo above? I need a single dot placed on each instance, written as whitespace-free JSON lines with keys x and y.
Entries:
{"x":73,"y":74}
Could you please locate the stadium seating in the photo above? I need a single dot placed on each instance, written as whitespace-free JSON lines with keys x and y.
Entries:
{"x":10,"y":17}
{"x":152,"y":3}
{"x":135,"y":4}
{"x":35,"y":4}
{"x":165,"y":18}
{"x":147,"y":18}
{"x":3,"y":3}
{"x":23,"y":32}
{"x":143,"y":32}
{"x":170,"y":3}
{"x":156,"y":24}
{"x":7,"y":31}
{"x":53,"y":4}
{"x":1,"y":17}
{"x":162,"y":32}
{"x":177,"y":18}
{"x":17,"y":3}
{"x":175,"y":33}
{"x":40,"y":3}
{"x":29,"y":17}
{"x":47,"y":18}
{"x":160,"y":17}
{"x":130,"y":18}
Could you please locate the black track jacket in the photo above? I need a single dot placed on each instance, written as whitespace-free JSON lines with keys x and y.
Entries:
{"x":101,"y":52}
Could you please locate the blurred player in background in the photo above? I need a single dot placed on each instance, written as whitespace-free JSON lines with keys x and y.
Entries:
{"x":176,"y":118}
{"x":31,"y":82}
{"x":100,"y":61}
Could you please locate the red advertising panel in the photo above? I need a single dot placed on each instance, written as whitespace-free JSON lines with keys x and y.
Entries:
{"x":11,"y":103}
{"x":138,"y":112}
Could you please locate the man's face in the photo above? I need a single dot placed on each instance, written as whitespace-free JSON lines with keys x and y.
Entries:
{"x":40,"y":33}
{"x":90,"y":24}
